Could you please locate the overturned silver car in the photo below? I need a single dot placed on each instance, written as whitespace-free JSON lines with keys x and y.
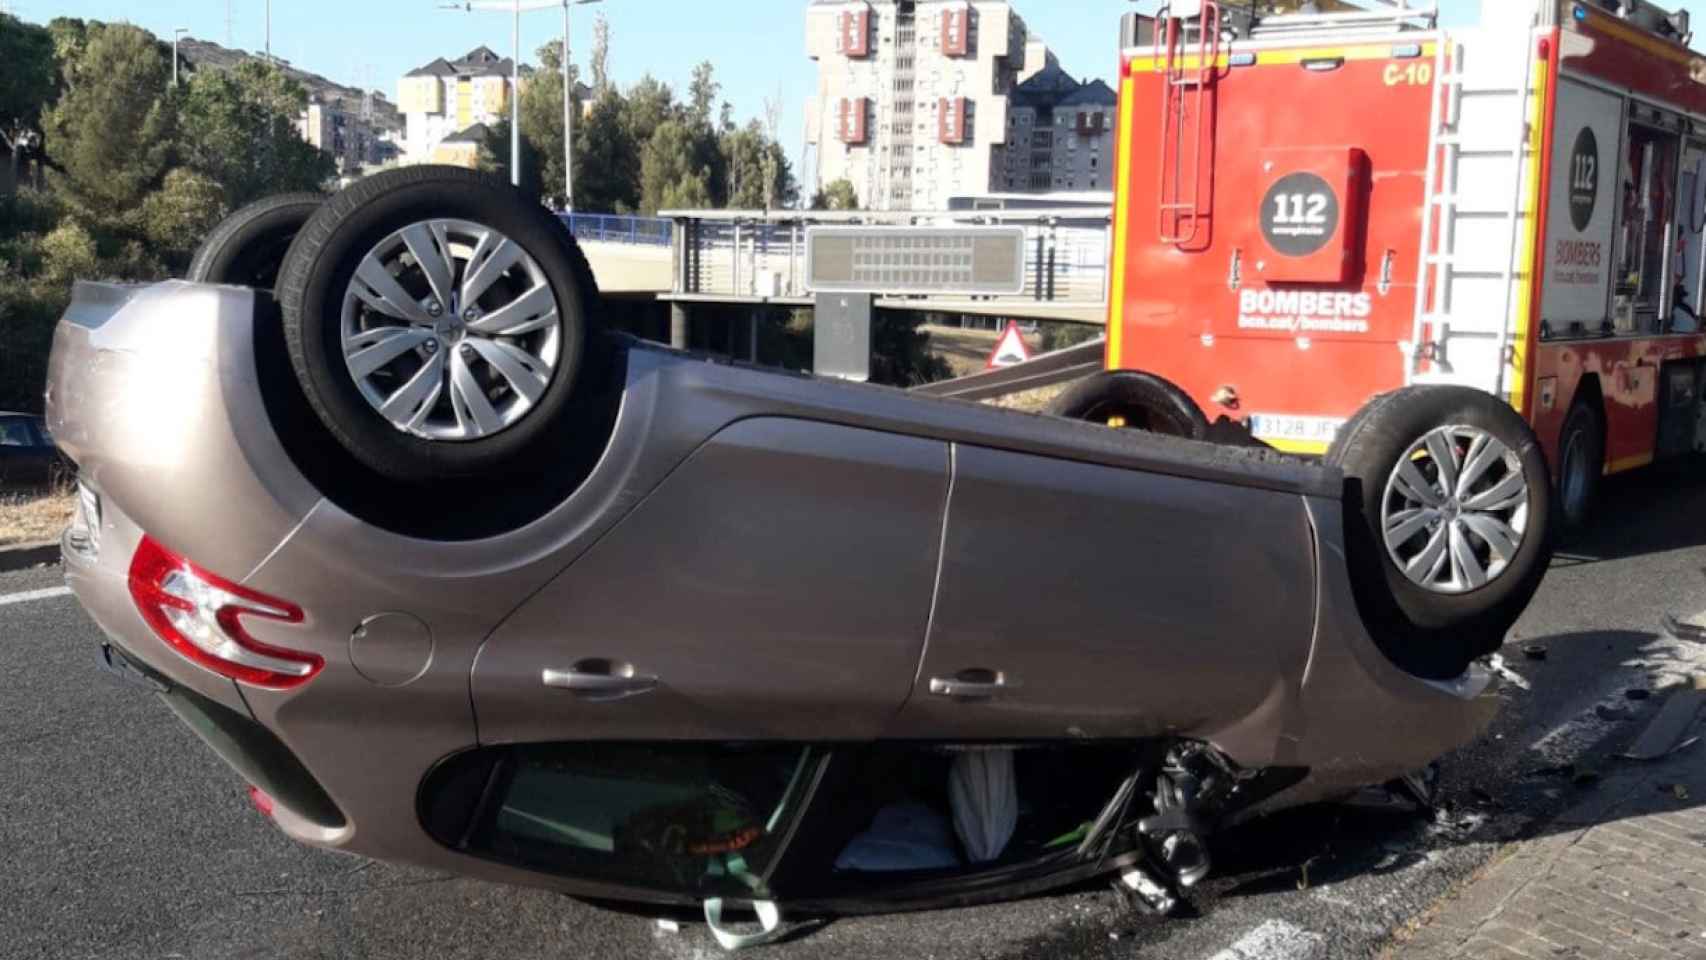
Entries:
{"x":453,"y":577}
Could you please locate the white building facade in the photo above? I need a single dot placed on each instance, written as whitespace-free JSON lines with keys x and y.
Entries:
{"x":446,"y":97}
{"x":912,"y":97}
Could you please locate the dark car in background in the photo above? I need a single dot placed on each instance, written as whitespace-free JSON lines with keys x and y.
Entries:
{"x":27,"y":455}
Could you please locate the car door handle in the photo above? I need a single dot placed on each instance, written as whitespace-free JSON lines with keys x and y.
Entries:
{"x":600,"y":680}
{"x":971,"y":685}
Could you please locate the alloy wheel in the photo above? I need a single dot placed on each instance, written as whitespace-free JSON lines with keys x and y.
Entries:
{"x":1455,"y":510}
{"x":450,"y":330}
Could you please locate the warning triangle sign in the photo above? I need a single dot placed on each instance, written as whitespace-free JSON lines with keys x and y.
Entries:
{"x":1010,"y":350}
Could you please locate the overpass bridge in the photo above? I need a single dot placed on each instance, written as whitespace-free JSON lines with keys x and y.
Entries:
{"x":756,"y":258}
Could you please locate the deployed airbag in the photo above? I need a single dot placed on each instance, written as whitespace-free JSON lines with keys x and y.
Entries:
{"x":985,"y":799}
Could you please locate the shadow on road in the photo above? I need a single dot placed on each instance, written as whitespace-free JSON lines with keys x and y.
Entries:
{"x":1655,"y":510}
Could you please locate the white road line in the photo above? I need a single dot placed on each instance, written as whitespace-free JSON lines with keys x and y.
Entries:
{"x":30,"y":596}
{"x":1274,"y":940}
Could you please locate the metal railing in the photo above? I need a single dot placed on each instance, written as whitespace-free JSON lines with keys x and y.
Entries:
{"x":615,"y":228}
{"x":761,"y":255}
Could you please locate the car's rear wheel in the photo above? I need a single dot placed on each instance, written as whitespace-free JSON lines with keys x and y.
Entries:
{"x":1133,"y":400}
{"x":248,"y":247}
{"x":1449,"y":502}
{"x":437,"y":320}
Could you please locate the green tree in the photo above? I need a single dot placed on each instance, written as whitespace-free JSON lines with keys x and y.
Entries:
{"x":178,"y":216}
{"x":759,"y":175}
{"x":649,"y":104}
{"x":702,"y":93}
{"x":607,"y":158}
{"x":542,"y":118}
{"x":238,"y":129}
{"x":837,"y":195}
{"x":69,"y":253}
{"x":495,"y":155}
{"x":600,"y":55}
{"x":669,"y":176}
{"x":112,"y":130}
{"x":70,"y":36}
{"x":30,"y":76}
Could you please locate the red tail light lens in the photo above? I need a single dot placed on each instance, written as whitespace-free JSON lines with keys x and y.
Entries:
{"x":201,"y":616}
{"x":262,"y":801}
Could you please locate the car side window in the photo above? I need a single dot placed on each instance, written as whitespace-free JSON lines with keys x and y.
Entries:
{"x":16,"y":432}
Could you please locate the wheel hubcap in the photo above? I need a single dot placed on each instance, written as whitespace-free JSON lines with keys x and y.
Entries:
{"x":450,"y":330}
{"x":1455,"y":510}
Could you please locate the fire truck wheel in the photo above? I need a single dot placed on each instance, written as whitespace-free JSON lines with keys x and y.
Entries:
{"x":438,"y":319}
{"x":1581,"y":460}
{"x":1449,"y":505}
{"x":248,"y":247}
{"x":1133,"y":400}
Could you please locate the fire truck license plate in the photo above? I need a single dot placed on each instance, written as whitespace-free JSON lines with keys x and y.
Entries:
{"x":1270,"y":426}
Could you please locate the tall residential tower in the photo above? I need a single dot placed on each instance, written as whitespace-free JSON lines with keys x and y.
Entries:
{"x":915,"y":103}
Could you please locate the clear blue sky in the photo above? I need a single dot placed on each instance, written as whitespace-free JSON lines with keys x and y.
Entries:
{"x":758,"y":46}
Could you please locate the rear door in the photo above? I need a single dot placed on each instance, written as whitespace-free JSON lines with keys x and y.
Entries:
{"x":775,"y":587}
{"x":1079,"y":600}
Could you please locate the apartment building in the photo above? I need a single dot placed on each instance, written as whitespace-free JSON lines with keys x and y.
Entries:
{"x":912,"y":97}
{"x":1060,"y":134}
{"x":337,"y":126}
{"x":446,"y":97}
{"x":919,"y":101}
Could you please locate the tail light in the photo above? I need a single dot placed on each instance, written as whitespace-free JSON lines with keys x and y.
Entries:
{"x":262,"y":801}
{"x":200,"y":615}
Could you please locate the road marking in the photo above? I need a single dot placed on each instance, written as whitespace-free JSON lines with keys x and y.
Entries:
{"x":30,"y":596}
{"x":1274,"y":940}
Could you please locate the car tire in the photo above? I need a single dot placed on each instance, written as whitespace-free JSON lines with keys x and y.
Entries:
{"x":1581,"y":465}
{"x":1133,"y":400}
{"x":1443,"y":556}
{"x":248,"y":247}
{"x":417,"y":388}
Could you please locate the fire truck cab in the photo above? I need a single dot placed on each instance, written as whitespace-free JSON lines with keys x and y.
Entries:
{"x":1315,"y":208}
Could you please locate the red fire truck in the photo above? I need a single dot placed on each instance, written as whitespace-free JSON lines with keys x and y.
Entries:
{"x":1315,"y":208}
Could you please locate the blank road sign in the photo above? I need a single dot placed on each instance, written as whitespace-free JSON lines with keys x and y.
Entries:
{"x":899,"y":261}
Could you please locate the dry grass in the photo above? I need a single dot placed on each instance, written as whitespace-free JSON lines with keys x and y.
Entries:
{"x":34,"y":517}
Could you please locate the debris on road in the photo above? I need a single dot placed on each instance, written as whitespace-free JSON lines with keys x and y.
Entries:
{"x":1638,"y":693}
{"x":1535,"y":651}
{"x":1664,"y":735}
{"x":1496,"y":663}
{"x":1684,"y":629}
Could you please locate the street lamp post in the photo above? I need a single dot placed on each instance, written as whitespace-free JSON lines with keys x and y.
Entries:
{"x":516,"y":8}
{"x":568,"y":114}
{"x":177,"y":33}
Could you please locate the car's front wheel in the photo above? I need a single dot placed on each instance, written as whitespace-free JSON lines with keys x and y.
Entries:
{"x":438,"y":321}
{"x":1449,"y":504}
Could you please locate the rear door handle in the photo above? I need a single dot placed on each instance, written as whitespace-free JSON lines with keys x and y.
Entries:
{"x":971,"y":685}
{"x":600,"y":680}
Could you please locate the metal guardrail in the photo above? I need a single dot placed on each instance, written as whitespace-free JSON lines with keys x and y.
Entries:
{"x":615,"y":228}
{"x":757,"y":255}
{"x":1061,"y":366}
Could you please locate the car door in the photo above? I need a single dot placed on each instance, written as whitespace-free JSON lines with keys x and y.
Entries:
{"x":1082,"y":600}
{"x":776,"y":586}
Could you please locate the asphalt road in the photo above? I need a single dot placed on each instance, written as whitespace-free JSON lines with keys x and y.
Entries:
{"x":121,"y":836}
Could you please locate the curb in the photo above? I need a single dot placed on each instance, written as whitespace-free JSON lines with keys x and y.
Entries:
{"x":27,"y":555}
